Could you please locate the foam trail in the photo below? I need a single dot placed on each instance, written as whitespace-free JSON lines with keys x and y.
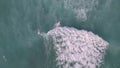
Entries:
{"x":81,"y":7}
{"x":77,"y":48}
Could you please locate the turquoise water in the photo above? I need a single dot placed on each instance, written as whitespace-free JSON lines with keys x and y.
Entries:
{"x":20,"y":20}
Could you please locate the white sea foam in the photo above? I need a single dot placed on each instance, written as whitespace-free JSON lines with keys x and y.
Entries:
{"x":77,"y":48}
{"x":41,"y":34}
{"x":81,"y":7}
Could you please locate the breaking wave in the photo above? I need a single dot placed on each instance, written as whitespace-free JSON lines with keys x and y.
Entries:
{"x":77,"y":48}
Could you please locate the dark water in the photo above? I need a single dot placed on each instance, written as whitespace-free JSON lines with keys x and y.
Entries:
{"x":22,"y":47}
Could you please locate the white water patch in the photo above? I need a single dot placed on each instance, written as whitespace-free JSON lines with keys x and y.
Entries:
{"x":81,"y":7}
{"x":77,"y":48}
{"x":42,"y":34}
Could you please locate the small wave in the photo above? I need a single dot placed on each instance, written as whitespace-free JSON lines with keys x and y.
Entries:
{"x":77,"y":48}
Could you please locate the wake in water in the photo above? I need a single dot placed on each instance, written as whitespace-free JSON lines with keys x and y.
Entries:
{"x":77,"y":48}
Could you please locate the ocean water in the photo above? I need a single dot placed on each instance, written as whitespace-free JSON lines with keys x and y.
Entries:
{"x":25,"y":23}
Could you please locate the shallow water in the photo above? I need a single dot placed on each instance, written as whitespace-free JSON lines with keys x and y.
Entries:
{"x":20,"y":21}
